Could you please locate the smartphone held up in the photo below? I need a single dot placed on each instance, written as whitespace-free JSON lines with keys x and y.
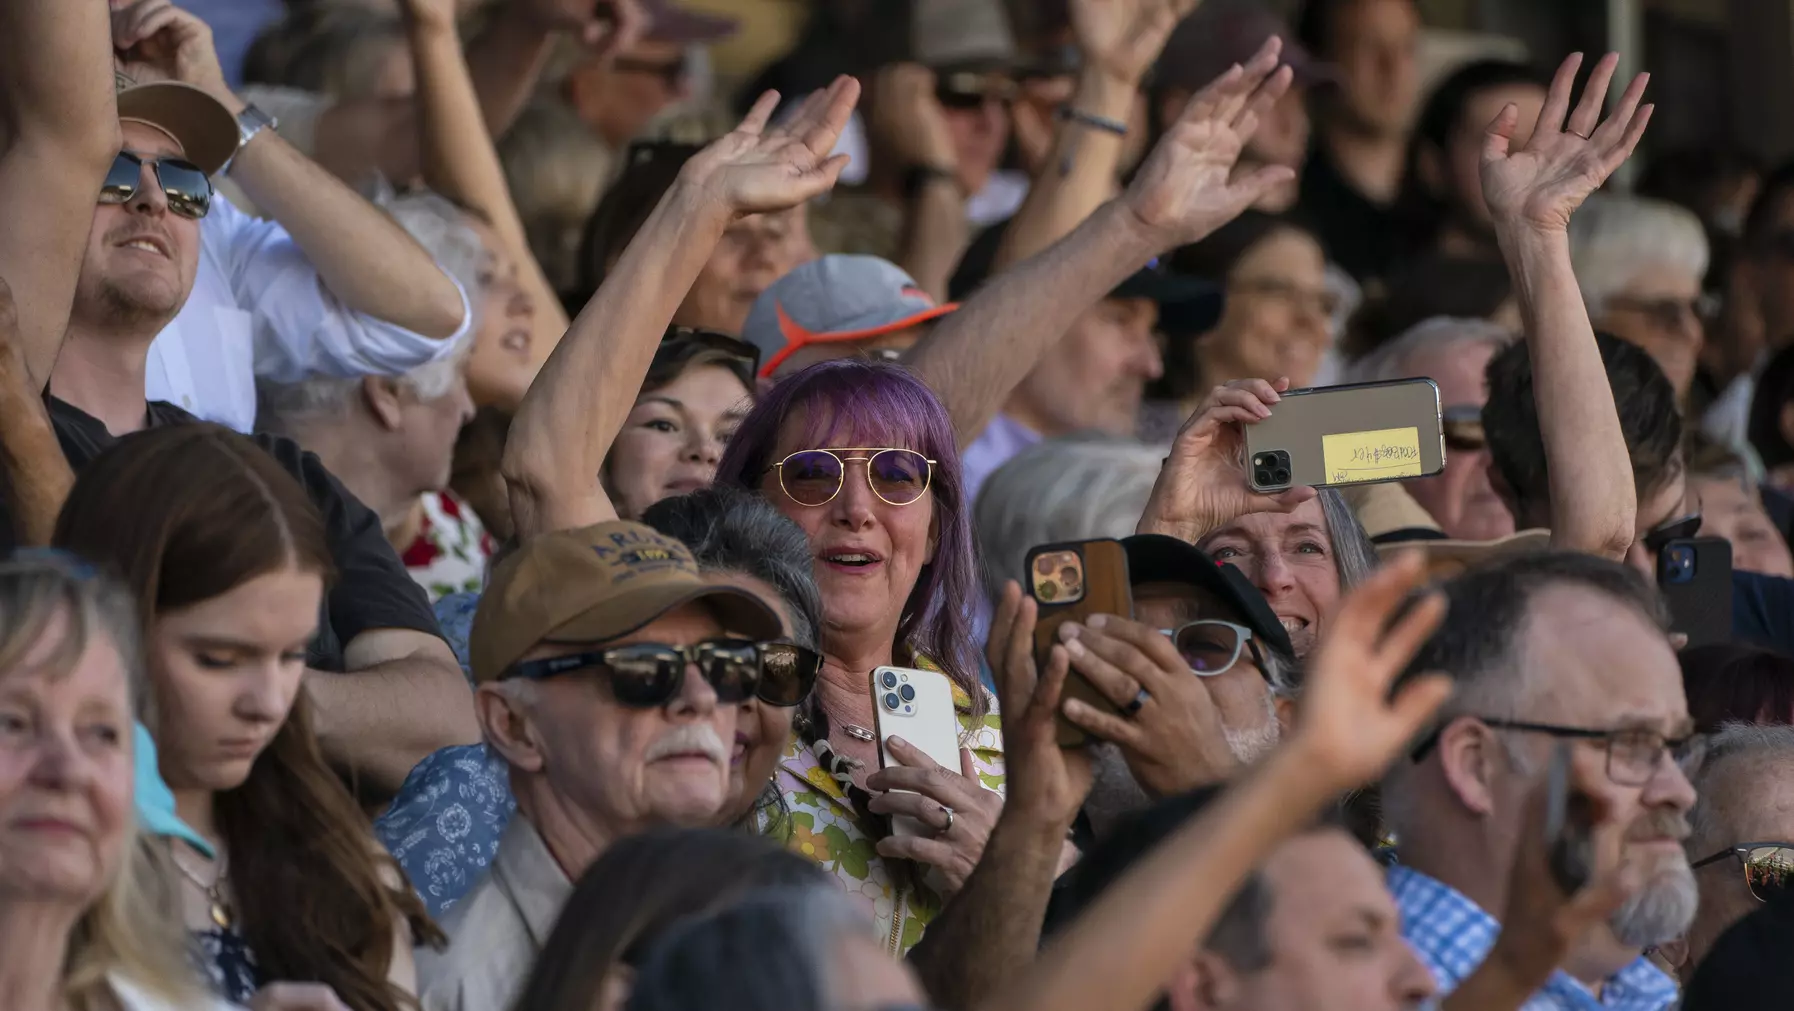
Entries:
{"x":1360,"y":433}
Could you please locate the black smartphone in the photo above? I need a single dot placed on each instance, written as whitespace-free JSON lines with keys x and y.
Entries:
{"x":1569,"y":823}
{"x":1695,"y":576}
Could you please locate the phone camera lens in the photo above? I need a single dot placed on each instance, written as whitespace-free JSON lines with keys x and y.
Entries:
{"x":1280,"y":476}
{"x":890,"y":679}
{"x":908,"y":693}
{"x":891,"y":702}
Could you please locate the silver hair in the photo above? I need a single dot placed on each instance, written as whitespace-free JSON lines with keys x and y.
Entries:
{"x":1354,"y":557}
{"x":775,"y":950}
{"x":1068,"y":489}
{"x":1613,"y":237}
{"x":1390,"y":360}
{"x":441,"y":228}
{"x":1729,"y":752}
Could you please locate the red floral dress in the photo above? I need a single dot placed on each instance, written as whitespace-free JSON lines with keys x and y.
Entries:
{"x":451,"y":549}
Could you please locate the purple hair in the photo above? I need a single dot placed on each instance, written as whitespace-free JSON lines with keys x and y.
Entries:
{"x":882,"y":404}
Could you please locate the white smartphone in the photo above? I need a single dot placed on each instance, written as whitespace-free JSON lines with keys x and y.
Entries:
{"x":916,"y":705}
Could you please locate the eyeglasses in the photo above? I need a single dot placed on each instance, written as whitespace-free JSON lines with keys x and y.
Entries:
{"x":1768,"y":866}
{"x":648,"y":675}
{"x":1323,"y":302}
{"x":813,"y":477}
{"x":185,"y":185}
{"x":680,"y":344}
{"x":1680,"y":528}
{"x":1634,"y":754}
{"x":1212,"y":647}
{"x":1463,"y":426}
{"x":1667,"y":313}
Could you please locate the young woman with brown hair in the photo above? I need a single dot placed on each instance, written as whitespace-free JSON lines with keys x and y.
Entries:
{"x":228,"y":562}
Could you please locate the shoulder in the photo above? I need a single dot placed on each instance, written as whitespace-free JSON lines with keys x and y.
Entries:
{"x":488,"y":950}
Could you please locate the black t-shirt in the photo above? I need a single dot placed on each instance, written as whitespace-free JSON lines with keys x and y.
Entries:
{"x":1361,"y":236}
{"x":372,"y":588}
{"x":1763,"y":611}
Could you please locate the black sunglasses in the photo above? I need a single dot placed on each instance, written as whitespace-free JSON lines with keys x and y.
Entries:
{"x":1463,"y":425}
{"x":648,"y":675}
{"x":680,"y":344}
{"x":1768,"y":866}
{"x":969,"y":89}
{"x":185,"y":185}
{"x":1680,"y":528}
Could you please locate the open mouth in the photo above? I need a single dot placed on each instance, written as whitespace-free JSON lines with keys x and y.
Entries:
{"x":146,"y":244}
{"x":852,"y":560}
{"x":1293,"y":623}
{"x":516,"y":341}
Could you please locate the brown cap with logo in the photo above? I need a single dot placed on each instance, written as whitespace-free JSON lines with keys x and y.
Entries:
{"x":592,"y":585}
{"x":205,"y":128}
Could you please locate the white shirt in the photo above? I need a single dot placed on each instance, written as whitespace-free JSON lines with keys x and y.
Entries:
{"x":258,"y":308}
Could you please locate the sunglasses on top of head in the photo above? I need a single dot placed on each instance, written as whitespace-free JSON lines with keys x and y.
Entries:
{"x":648,"y":675}
{"x":183,"y":183}
{"x":813,"y":477}
{"x":680,"y":344}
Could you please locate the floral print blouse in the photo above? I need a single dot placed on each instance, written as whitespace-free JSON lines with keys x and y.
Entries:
{"x":824,"y":826}
{"x":451,"y":548}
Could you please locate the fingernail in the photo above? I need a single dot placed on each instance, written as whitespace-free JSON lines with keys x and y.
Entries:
{"x":1098,"y":621}
{"x":898,"y":741}
{"x":1075,"y":648}
{"x":1069,"y":631}
{"x":1073,"y":707}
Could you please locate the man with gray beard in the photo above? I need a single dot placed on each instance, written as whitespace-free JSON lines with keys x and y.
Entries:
{"x":1546,"y":649}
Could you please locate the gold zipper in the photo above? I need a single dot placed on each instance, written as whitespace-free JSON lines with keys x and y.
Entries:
{"x":896,"y":921}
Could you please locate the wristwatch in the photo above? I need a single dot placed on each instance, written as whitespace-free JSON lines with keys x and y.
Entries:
{"x":252,"y":121}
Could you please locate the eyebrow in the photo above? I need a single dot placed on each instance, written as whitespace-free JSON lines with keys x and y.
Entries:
{"x":1303,"y":528}
{"x":661,"y":398}
{"x":223,"y":642}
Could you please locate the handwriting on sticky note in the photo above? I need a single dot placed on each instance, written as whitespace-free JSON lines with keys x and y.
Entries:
{"x":1371,"y":456}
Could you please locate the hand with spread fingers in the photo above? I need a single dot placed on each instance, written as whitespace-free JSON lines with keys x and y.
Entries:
{"x":1540,"y":184}
{"x":754,"y":168}
{"x":1171,"y":731}
{"x":1188,"y":186}
{"x":1124,"y":37}
{"x":1350,"y":725}
{"x":954,"y":805}
{"x":1043,"y":779}
{"x":1202,"y":485}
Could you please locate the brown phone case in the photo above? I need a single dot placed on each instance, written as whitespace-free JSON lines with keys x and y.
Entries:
{"x":1071,"y":582}
{"x":1359,"y":433}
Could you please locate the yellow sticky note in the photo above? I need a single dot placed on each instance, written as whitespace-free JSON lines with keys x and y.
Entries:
{"x":1371,"y":456}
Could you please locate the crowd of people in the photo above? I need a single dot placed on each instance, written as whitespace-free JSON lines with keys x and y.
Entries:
{"x":462,"y":470}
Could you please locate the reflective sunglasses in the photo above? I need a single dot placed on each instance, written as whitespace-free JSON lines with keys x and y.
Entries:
{"x":969,"y":89}
{"x":787,"y":673}
{"x":1463,"y":425}
{"x":1680,"y":528}
{"x":813,"y":477}
{"x":1212,"y":647}
{"x":648,"y":675}
{"x":185,"y":185}
{"x":1768,"y":866}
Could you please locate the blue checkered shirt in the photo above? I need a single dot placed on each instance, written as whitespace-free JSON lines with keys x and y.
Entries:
{"x":1453,"y":936}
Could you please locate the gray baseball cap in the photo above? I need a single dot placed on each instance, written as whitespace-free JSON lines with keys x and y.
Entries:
{"x":835,"y":298}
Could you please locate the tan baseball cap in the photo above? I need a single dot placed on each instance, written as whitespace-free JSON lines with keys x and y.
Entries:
{"x":1396,"y":523}
{"x":592,"y":585}
{"x":205,"y":128}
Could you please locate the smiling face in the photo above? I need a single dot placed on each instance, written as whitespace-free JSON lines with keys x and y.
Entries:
{"x":1242,"y":694}
{"x":1289,"y":557}
{"x":503,"y":361}
{"x":65,"y":773}
{"x":226,"y":672}
{"x":868,"y":552}
{"x":674,"y":437}
{"x":141,"y":257}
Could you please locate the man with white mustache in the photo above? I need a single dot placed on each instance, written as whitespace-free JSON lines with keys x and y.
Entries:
{"x":610,"y":676}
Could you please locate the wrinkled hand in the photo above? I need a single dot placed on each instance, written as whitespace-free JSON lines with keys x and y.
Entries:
{"x":1045,"y":781}
{"x":153,"y":40}
{"x":1541,"y":184}
{"x":1124,"y":37}
{"x":1203,"y":484}
{"x":908,"y":119}
{"x":1348,"y":726}
{"x":953,"y":849}
{"x":753,"y":169}
{"x":1187,"y":187}
{"x":1176,"y":741}
{"x":296,"y":997}
{"x":1032,"y":119}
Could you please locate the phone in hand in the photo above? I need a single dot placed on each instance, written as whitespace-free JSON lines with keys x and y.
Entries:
{"x":916,"y":705}
{"x":1072,"y":582}
{"x":1569,"y":826}
{"x":1359,"y":433}
{"x":1694,"y":575}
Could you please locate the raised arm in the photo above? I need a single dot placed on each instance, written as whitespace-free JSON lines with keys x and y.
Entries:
{"x":362,"y":256}
{"x":1119,"y":40}
{"x":38,"y":476}
{"x":584,"y":393}
{"x":58,"y":135}
{"x":1185,"y":190}
{"x":1119,"y":953}
{"x":459,"y":159}
{"x":1531,"y":192}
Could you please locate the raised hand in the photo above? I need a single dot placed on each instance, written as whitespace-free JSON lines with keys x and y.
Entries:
{"x":1543,"y":182}
{"x":157,"y":41}
{"x":1188,"y":188}
{"x":1348,"y":727}
{"x":1044,"y":780}
{"x":1203,"y":485}
{"x":753,"y":169}
{"x":1124,"y":37}
{"x":908,"y":119}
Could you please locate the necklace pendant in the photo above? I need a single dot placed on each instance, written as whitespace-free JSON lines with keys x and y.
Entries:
{"x":859,"y":733}
{"x":220,"y":914}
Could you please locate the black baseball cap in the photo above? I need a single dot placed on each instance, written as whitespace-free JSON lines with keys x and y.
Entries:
{"x":1156,"y":558}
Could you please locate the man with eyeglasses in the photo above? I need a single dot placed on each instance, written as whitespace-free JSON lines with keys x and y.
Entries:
{"x":1742,"y":846}
{"x":610,"y":677}
{"x":1547,"y":649}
